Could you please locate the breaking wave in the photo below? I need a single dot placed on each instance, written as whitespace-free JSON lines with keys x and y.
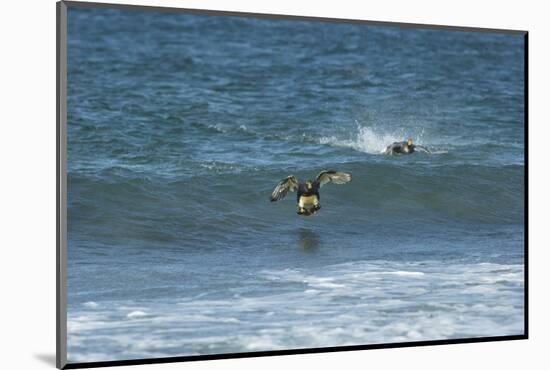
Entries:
{"x":361,"y":302}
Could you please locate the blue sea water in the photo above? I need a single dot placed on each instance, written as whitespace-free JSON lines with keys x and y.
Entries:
{"x":179,"y":127}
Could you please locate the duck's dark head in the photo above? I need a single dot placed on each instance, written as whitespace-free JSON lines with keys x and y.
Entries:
{"x":309,"y":185}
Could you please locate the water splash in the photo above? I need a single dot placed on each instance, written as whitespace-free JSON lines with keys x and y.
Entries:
{"x":372,"y":140}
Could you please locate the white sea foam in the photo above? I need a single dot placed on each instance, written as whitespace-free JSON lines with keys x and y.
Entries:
{"x":136,"y":315}
{"x":218,"y":166}
{"x":407,"y":273}
{"x":352,"y":303}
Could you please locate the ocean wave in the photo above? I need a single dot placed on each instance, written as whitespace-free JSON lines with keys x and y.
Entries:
{"x":227,"y":192}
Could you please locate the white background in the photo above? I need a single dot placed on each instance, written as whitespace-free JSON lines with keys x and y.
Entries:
{"x":27,"y":158}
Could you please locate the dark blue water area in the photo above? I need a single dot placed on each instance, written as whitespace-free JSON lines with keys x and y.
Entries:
{"x":180,"y":126}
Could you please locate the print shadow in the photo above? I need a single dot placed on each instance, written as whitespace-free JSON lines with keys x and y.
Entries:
{"x":46,"y":358}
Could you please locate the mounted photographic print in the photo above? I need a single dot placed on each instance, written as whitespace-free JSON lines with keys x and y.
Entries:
{"x":234,"y":185}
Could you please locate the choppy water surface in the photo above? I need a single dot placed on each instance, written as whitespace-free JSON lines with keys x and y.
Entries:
{"x":180,"y":126}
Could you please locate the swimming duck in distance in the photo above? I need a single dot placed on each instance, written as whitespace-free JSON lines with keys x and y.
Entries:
{"x":308,"y":192}
{"x":405,"y":147}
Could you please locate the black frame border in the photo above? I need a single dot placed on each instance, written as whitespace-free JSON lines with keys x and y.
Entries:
{"x":61,"y":194}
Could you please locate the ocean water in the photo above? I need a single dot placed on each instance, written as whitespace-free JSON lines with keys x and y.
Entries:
{"x":179,"y":127}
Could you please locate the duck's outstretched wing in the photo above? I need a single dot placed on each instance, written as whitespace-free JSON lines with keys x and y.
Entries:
{"x":280,"y":191}
{"x":324,"y":177}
